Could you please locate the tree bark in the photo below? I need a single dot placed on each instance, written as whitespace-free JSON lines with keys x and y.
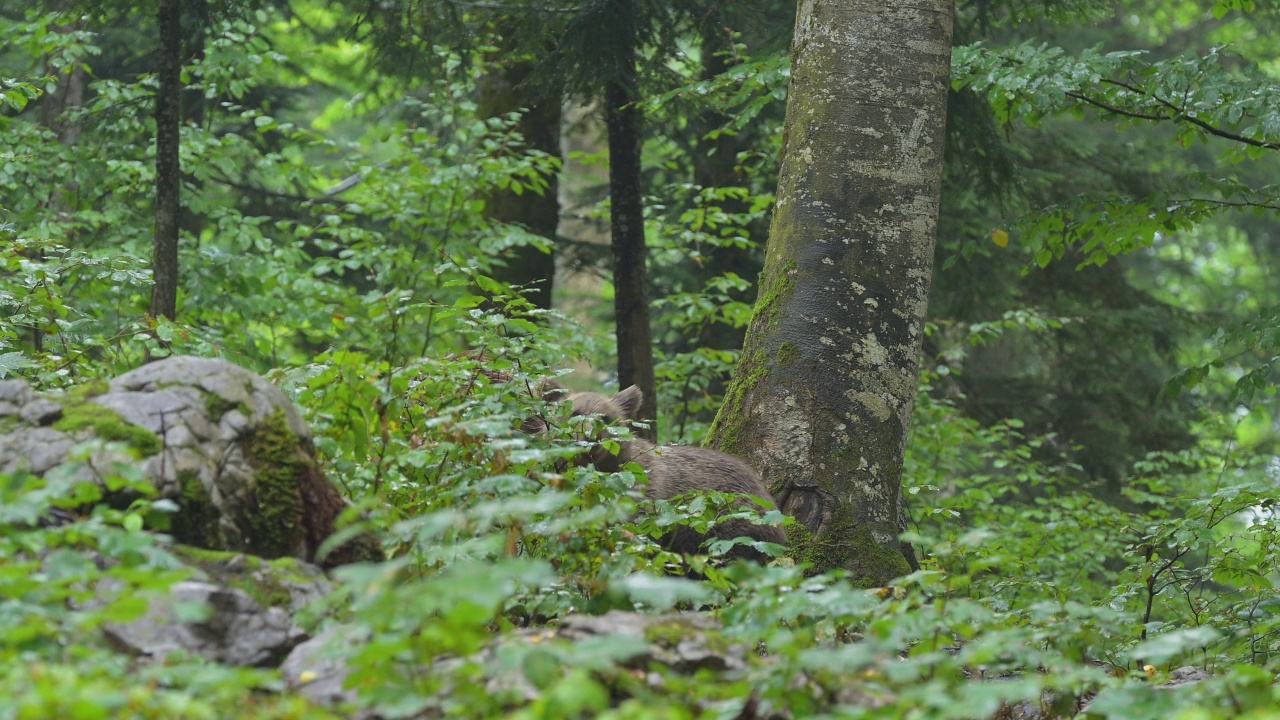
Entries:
{"x":66,"y":95}
{"x":539,"y":124}
{"x":821,"y":400}
{"x":55,"y":110}
{"x":630,"y":274}
{"x":717,"y":169}
{"x":164,"y":260}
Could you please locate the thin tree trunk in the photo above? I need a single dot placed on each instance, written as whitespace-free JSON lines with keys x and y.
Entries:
{"x":821,"y":401}
{"x":164,"y":260}
{"x":68,"y":94}
{"x":55,"y":108}
{"x":715,"y":166}
{"x":630,"y":275}
{"x":191,"y":223}
{"x":715,"y":169}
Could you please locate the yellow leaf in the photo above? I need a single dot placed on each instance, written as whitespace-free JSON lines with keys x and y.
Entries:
{"x":1000,"y":238}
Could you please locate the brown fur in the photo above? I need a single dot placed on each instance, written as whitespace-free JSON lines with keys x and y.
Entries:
{"x":675,"y":470}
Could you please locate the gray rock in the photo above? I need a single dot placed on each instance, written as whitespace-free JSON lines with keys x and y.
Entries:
{"x":156,"y":411}
{"x":233,"y":386}
{"x":286,"y":583}
{"x":1186,"y":675}
{"x":676,"y":640}
{"x":684,"y":643}
{"x":41,"y":412}
{"x":35,"y":449}
{"x":316,"y":669}
{"x":16,"y":392}
{"x":234,"y":630}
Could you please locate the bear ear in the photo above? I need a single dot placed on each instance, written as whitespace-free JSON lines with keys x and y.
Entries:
{"x":629,"y":401}
{"x":551,"y":390}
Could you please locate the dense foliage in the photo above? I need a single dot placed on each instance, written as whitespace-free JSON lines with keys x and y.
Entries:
{"x":1092,"y":472}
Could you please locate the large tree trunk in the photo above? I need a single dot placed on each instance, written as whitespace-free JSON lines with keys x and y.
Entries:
{"x":164,"y":259}
{"x":630,"y":275}
{"x":821,"y":400}
{"x":500,"y":94}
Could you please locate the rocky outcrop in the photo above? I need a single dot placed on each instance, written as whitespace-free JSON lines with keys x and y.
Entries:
{"x":234,"y":630}
{"x":235,"y":609}
{"x":221,"y":442}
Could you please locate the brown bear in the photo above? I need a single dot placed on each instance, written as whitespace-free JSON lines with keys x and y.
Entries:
{"x":673,"y":470}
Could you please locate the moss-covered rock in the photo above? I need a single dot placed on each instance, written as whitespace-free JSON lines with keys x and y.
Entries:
{"x":279,"y":464}
{"x":197,"y":522}
{"x":285,"y":583}
{"x":221,"y":442}
{"x":105,"y":424}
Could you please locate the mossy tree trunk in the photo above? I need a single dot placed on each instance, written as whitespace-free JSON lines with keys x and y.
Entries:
{"x":630,"y":273}
{"x":821,"y":401}
{"x":164,"y":260}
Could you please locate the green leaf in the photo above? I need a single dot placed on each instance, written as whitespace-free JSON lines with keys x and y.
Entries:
{"x":542,"y":668}
{"x":133,"y":522}
{"x":489,"y":285}
{"x":661,"y":593}
{"x":1161,"y":648}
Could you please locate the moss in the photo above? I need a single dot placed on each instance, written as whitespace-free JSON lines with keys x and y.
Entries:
{"x":773,"y":290}
{"x":216,"y":406}
{"x":197,"y":520}
{"x":263,"y":580}
{"x":798,"y":540}
{"x":667,"y":634}
{"x":106,"y":424}
{"x":277,"y":522}
{"x":848,"y":545}
{"x":201,"y":557}
{"x":671,"y":633}
{"x":727,"y":426}
{"x":91,"y":389}
{"x":787,"y":354}
{"x":726,"y":429}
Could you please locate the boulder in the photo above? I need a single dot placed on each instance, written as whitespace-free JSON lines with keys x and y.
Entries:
{"x":236,"y":610}
{"x":221,"y":442}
